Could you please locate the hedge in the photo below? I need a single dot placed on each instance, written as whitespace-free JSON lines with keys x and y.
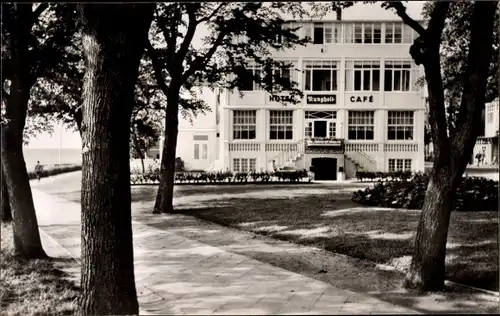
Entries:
{"x":390,"y":176}
{"x":474,"y":194}
{"x":152,"y":176}
{"x":57,"y":169}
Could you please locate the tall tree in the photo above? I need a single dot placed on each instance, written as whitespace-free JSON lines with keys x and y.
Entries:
{"x":113,"y":47}
{"x":452,"y":149}
{"x":237,"y":34}
{"x":33,"y":39}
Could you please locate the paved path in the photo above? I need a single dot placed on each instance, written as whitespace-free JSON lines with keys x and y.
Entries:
{"x":178,"y":275}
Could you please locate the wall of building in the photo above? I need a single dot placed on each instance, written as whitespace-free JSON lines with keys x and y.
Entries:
{"x":197,"y":142}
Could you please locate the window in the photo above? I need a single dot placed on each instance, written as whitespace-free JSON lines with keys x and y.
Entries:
{"x":196,"y":151}
{"x":309,"y":129}
{"x":200,"y":141}
{"x":361,"y":125}
{"x":332,"y":33}
{"x":247,"y":82}
{"x":362,"y":75}
{"x":284,"y":75}
{"x":363,"y":33}
{"x":394,"y":33}
{"x":281,"y":125}
{"x":244,"y":124}
{"x":331,"y":129}
{"x":319,"y":33}
{"x":490,"y":118}
{"x":399,"y":165}
{"x":204,"y":155}
{"x":400,"y":125}
{"x":397,"y":33}
{"x":400,"y":76}
{"x":321,"y":75}
{"x":244,"y":164}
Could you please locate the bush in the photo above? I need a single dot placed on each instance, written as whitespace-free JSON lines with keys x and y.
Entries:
{"x":152,"y":176}
{"x":384,"y":176}
{"x":57,"y":169}
{"x":474,"y":194}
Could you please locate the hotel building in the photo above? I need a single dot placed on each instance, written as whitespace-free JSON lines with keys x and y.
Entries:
{"x":361,"y":109}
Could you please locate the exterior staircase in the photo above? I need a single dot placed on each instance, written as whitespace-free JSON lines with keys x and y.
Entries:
{"x":361,"y":160}
{"x":289,"y":157}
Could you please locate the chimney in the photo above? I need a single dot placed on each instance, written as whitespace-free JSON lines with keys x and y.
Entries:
{"x":339,"y":13}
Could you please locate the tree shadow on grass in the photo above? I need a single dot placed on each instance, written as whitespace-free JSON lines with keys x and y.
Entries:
{"x":382,"y":236}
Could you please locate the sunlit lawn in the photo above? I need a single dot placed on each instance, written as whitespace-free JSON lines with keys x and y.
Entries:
{"x":313,"y":214}
{"x":33,"y":287}
{"x":316,"y":215}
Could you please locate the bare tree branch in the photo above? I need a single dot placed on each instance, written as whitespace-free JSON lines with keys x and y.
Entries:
{"x":157,"y":67}
{"x":188,"y":38}
{"x":432,"y":65}
{"x":170,"y":37}
{"x":201,"y":61}
{"x":214,"y":12}
{"x":401,"y":12}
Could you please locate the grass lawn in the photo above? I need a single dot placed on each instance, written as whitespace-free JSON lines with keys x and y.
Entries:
{"x":32,"y":287}
{"x":325,"y":217}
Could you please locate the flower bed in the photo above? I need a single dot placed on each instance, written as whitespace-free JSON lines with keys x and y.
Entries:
{"x":152,"y":176}
{"x":474,"y":194}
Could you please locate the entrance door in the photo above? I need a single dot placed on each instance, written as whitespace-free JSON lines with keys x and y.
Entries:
{"x":320,"y":129}
{"x":324,"y":168}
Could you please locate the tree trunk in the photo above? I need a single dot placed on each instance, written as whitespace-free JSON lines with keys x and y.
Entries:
{"x":165,"y":195}
{"x":427,"y":270}
{"x":4,"y":203}
{"x":138,"y":150}
{"x":27,"y":241}
{"x":113,"y":47}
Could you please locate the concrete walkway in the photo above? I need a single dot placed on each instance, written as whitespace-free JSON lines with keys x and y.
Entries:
{"x":178,"y":275}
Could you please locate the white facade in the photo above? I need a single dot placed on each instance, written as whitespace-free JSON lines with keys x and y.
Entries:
{"x":197,"y":141}
{"x":487,"y":145}
{"x":359,"y":87}
{"x":358,"y":81}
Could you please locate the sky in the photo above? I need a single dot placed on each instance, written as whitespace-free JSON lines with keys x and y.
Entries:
{"x":70,"y":139}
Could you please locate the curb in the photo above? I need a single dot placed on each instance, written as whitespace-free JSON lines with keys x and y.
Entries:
{"x":141,"y":311}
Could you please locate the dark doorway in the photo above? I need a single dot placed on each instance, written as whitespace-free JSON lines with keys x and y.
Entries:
{"x":324,"y":168}
{"x":319,"y":128}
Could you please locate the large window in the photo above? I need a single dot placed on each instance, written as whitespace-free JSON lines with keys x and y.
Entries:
{"x":399,"y":165}
{"x":400,"y":76}
{"x":200,"y":147}
{"x":244,"y":124}
{"x":323,"y":33}
{"x":247,"y":82}
{"x":285,"y":75}
{"x":281,"y":125}
{"x":397,"y":33}
{"x":321,"y":75}
{"x":361,"y":125}
{"x":400,"y":125}
{"x":244,"y":164}
{"x":362,"y":75}
{"x":363,"y":33}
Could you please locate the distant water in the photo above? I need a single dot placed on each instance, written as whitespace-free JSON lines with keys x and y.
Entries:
{"x":50,"y":156}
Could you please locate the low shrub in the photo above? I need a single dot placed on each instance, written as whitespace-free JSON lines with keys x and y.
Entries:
{"x":384,"y":176}
{"x":57,"y":169}
{"x":152,"y":176}
{"x":474,"y":194}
